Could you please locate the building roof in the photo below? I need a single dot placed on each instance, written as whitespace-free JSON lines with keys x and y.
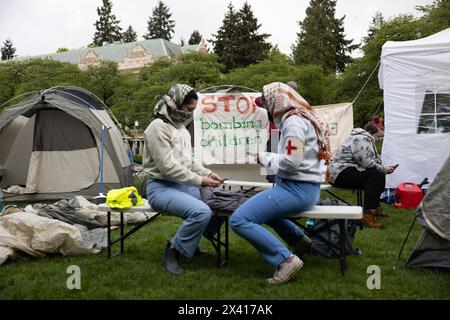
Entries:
{"x":117,"y":51}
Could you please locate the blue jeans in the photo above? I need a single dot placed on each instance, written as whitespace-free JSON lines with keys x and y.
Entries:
{"x":182,"y":201}
{"x":270,"y":207}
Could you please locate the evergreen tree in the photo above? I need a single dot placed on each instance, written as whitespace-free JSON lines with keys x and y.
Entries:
{"x":226,"y":41}
{"x":107,"y":26}
{"x":237,"y":42}
{"x":159,"y":24}
{"x":195,"y":38}
{"x":253,"y":46}
{"x":321,"y":39}
{"x":8,"y":50}
{"x":129,"y":35}
{"x":344,"y":47}
{"x":182,"y":42}
{"x":375,"y":25}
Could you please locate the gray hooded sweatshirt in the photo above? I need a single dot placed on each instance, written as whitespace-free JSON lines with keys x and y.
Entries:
{"x":359,"y":151}
{"x":168,"y":153}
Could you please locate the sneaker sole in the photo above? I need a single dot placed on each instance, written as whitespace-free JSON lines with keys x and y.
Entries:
{"x":291,"y":274}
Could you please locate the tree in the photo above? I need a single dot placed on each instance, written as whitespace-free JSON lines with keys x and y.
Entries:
{"x":375,"y":25}
{"x":195,"y":38}
{"x":400,"y":28}
{"x":237,"y":42}
{"x":182,"y":42}
{"x":343,"y":46}
{"x":225,"y":42}
{"x":321,"y":39}
{"x":159,"y":24}
{"x":18,"y":77}
{"x":104,"y":79}
{"x":137,"y":94}
{"x":107,"y":26}
{"x":253,"y":46}
{"x":313,"y":84}
{"x":129,"y":35}
{"x":8,"y":50}
{"x":62,"y":50}
{"x":436,"y":16}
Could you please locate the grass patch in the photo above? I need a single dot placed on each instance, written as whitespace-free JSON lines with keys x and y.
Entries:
{"x":138,"y":273}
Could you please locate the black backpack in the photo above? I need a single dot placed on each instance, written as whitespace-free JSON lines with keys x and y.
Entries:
{"x":329,"y":230}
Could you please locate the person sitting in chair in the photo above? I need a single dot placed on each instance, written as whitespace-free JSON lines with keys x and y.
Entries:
{"x":357,"y":165}
{"x":174,"y":176}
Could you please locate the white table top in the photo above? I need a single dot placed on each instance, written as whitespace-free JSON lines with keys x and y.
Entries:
{"x":145,"y":208}
{"x":263,"y":185}
{"x":332,"y":212}
{"x":250,"y":184}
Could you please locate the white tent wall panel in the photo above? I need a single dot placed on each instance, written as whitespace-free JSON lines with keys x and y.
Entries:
{"x":408,"y":71}
{"x":62,"y":171}
{"x":116,"y":137}
{"x":109,"y":171}
{"x":19,"y":153}
{"x":8,"y":136}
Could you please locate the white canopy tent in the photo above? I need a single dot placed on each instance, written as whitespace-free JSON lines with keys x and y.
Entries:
{"x":415,"y":77}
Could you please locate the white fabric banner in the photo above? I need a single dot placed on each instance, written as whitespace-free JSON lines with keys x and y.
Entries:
{"x":228,"y":127}
{"x":339,"y":121}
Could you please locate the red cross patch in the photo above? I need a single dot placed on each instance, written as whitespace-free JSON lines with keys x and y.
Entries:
{"x":294,"y":147}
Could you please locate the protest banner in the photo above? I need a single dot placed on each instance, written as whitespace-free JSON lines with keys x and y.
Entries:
{"x":229,"y":128}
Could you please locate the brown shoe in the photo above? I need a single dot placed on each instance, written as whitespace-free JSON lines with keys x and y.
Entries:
{"x":380,"y":213}
{"x":370,"y":221}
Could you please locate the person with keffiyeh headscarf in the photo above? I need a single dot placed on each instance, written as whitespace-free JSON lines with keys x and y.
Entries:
{"x":298,"y":165}
{"x":174,"y":175}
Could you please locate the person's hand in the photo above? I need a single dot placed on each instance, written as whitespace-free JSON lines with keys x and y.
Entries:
{"x":215,"y":176}
{"x":207,"y":181}
{"x":256,"y":155}
{"x":390,"y":169}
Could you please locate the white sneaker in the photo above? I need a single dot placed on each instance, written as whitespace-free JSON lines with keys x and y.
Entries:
{"x":287,"y":270}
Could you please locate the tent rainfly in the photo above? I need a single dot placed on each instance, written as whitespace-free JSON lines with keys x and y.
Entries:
{"x":415,"y":77}
{"x":51,"y":145}
{"x":433,"y":247}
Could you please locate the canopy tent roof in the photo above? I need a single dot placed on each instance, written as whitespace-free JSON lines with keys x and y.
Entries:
{"x":415,"y":78}
{"x":436,"y":42}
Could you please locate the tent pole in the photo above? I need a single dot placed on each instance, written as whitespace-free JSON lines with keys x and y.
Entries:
{"x":404,"y":242}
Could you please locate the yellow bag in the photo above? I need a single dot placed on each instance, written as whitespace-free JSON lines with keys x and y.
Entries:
{"x":124,"y":198}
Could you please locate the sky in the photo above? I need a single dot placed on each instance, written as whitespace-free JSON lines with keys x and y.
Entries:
{"x":42,"y":26}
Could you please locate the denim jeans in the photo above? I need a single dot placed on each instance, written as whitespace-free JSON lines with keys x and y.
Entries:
{"x":182,"y":201}
{"x":271,"y":207}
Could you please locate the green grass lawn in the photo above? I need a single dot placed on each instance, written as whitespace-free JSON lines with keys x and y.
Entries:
{"x":138,"y":273}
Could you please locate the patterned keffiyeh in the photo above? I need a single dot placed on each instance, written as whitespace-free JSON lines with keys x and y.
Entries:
{"x":282,"y":102}
{"x":173,"y":100}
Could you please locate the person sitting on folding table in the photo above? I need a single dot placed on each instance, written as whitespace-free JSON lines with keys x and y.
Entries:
{"x":174,"y":176}
{"x":297,"y":165}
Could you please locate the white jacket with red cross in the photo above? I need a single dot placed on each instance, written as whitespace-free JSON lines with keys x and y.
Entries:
{"x":297,"y":157}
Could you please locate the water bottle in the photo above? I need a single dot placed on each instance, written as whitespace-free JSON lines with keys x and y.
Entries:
{"x":310,"y":223}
